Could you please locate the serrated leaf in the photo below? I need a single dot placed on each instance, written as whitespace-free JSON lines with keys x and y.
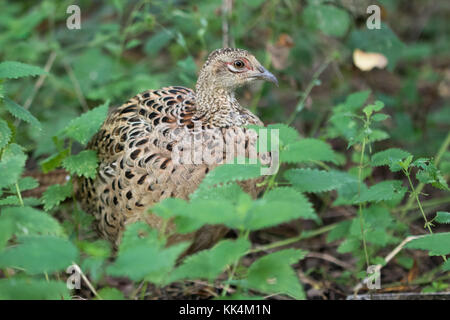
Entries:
{"x":143,"y":261}
{"x":55,"y":194}
{"x":437,"y":244}
{"x":5,"y":134}
{"x":442,"y":217}
{"x":32,"y":289}
{"x":39,"y":254}
{"x":21,"y":113}
{"x":11,"y":165}
{"x":383,"y":191}
{"x":86,"y":125}
{"x":389,"y":157}
{"x":428,"y":173}
{"x":307,"y":150}
{"x":356,"y":100}
{"x":30,"y":221}
{"x":230,"y":173}
{"x":273,"y":274}
{"x":14,"y":70}
{"x":229,"y":192}
{"x":83,"y":164}
{"x":27,"y":183}
{"x":313,"y":180}
{"x":209,"y":264}
{"x":380,"y":117}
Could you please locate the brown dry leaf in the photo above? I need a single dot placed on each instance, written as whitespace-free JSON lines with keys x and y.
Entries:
{"x":413,"y":272}
{"x":366,"y":61}
{"x":279,"y":51}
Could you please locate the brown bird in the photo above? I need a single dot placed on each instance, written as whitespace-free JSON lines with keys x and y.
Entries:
{"x":137,"y":141}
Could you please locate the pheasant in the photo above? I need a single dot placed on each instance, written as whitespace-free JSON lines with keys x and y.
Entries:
{"x":136,"y":145}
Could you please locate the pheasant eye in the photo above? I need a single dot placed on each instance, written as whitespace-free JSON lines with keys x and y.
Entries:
{"x":239,"y":64}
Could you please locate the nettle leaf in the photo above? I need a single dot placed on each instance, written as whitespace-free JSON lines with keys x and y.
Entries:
{"x":390,"y":157}
{"x":86,"y":125}
{"x":14,"y":70}
{"x":273,"y":274}
{"x":428,"y":173}
{"x":329,"y":19}
{"x":193,"y":215}
{"x":383,"y":191}
{"x":437,"y":244}
{"x":30,"y":221}
{"x":288,"y":204}
{"x":286,"y":134}
{"x":26,"y":183}
{"x":313,"y":180}
{"x":5,"y":133}
{"x":54,"y":161}
{"x":229,"y":192}
{"x":39,"y":254}
{"x":230,"y":173}
{"x":21,"y":113}
{"x":144,"y":256}
{"x":11,"y":165}
{"x":356,"y":100}
{"x":442,"y":217}
{"x":32,"y":289}
{"x":56,"y":194}
{"x":83,"y":164}
{"x":307,"y":150}
{"x":209,"y":264}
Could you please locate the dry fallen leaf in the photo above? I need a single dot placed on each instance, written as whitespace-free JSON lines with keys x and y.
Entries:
{"x":366,"y":61}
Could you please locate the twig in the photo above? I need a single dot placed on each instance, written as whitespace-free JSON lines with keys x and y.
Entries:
{"x":88,"y":283}
{"x":330,"y":258}
{"x":388,"y":258}
{"x":227,"y":7}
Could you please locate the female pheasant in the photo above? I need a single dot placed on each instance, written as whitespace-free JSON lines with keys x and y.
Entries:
{"x":136,"y":146}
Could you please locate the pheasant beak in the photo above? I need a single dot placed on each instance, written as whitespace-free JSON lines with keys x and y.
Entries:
{"x":264,"y":74}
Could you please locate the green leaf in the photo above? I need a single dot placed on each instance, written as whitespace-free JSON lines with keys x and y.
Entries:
{"x":230,"y":173}
{"x":26,"y":183}
{"x":383,"y":191}
{"x":437,"y":244}
{"x":371,"y":108}
{"x":356,"y":100}
{"x":98,"y":248}
{"x":86,"y":125}
{"x":313,"y":180}
{"x":329,"y":19}
{"x":21,"y":113}
{"x":11,"y":165}
{"x":307,"y":150}
{"x":83,"y":164}
{"x":209,"y":264}
{"x":55,"y":194}
{"x":110,"y":294}
{"x":142,"y":255}
{"x":442,"y":217}
{"x":32,"y":289}
{"x":14,"y":70}
{"x":428,"y":173}
{"x":39,"y":254}
{"x":54,"y":161}
{"x":155,"y":43}
{"x":273,"y":274}
{"x":30,"y":221}
{"x":5,"y":134}
{"x":390,"y":157}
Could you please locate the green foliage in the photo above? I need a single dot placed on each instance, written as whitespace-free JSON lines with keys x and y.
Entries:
{"x":39,"y":254}
{"x":442,"y":217}
{"x":390,"y":157}
{"x":313,"y":180}
{"x":5,"y":133}
{"x":11,"y":164}
{"x":436,"y":244}
{"x":273,"y":274}
{"x":83,"y":164}
{"x":55,"y":194}
{"x":31,"y":289}
{"x":327,"y":18}
{"x":14,"y":70}
{"x":21,"y":113}
{"x":209,"y":264}
{"x":84,"y":127}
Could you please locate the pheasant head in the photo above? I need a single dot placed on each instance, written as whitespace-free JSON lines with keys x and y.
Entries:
{"x":225,"y":70}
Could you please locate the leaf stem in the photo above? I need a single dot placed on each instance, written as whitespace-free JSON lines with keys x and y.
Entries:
{"x":360,"y":211}
{"x":19,"y":195}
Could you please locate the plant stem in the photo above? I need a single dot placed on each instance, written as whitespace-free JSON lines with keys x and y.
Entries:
{"x":304,"y":235}
{"x":416,"y":197}
{"x":19,"y":195}
{"x":360,"y":212}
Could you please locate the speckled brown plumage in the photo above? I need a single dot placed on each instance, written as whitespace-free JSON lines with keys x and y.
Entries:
{"x":136,"y":145}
